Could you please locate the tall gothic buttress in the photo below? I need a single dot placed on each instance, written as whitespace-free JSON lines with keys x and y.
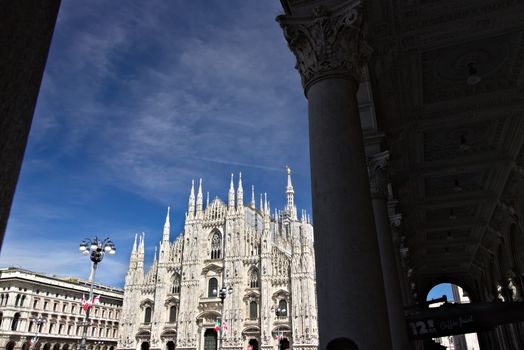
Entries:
{"x":265,"y":263}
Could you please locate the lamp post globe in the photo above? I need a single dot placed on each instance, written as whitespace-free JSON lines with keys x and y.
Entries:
{"x":96,"y":249}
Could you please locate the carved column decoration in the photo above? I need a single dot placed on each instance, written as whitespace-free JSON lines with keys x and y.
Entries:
{"x":328,"y":44}
{"x":378,"y":174}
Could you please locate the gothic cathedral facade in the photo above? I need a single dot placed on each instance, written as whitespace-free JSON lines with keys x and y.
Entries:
{"x":237,"y":268}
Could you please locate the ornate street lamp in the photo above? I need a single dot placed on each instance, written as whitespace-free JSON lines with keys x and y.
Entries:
{"x":224,"y":292}
{"x":95,"y":249}
{"x":39,"y":321}
{"x":280,"y":312}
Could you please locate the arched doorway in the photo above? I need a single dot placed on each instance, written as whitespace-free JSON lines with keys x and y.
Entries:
{"x":56,"y":346}
{"x":25,"y":346}
{"x":65,"y":347}
{"x":283,"y":344}
{"x":10,"y":345}
{"x":210,"y":339}
{"x":170,"y":345}
{"x":253,"y":344}
{"x":144,"y":345}
{"x":47,"y":346}
{"x":454,"y":294}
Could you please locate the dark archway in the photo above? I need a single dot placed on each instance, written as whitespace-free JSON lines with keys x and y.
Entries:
{"x":170,"y":345}
{"x":210,"y":339}
{"x":253,"y":343}
{"x":144,"y":345}
{"x":47,"y":346}
{"x":25,"y":346}
{"x":283,"y":344}
{"x":65,"y":347}
{"x":56,"y":346}
{"x":342,"y":344}
{"x":10,"y":345}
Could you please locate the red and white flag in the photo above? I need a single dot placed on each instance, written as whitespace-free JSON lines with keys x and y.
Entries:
{"x":86,"y":304}
{"x":217,"y":326}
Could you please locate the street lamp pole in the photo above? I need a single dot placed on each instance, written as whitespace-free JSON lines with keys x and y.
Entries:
{"x":95,"y":249}
{"x":222,"y":295}
{"x":39,"y":322}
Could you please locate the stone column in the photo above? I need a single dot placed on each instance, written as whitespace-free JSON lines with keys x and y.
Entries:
{"x":331,"y":53}
{"x":378,"y":177}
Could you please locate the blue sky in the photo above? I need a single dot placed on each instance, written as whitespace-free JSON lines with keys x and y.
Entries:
{"x":138,"y":98}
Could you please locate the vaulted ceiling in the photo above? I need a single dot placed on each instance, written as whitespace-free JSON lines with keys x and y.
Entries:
{"x":448,"y":85}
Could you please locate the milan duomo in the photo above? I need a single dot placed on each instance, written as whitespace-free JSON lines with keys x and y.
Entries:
{"x":237,"y":268}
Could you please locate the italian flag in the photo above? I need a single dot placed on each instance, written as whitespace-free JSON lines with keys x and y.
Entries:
{"x":217,"y":326}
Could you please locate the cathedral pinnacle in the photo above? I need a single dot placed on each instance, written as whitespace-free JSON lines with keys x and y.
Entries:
{"x":290,"y":193}
{"x":199,"y":200}
{"x":191,"y":204}
{"x":240,"y":193}
{"x":253,"y":196}
{"x":167,"y":226}
{"x":231,"y":196}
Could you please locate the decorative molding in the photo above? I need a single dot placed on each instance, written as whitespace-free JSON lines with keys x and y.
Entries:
{"x":378,"y":174}
{"x":329,"y":43}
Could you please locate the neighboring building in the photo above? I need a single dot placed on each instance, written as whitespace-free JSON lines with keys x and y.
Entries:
{"x":467,"y":341}
{"x":269,"y":265}
{"x":26,"y":295}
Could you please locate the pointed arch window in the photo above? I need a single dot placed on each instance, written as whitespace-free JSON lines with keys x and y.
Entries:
{"x":212,"y":290}
{"x":147,"y":315}
{"x":253,"y":310}
{"x":216,"y":245}
{"x":172,"y":314}
{"x":253,"y":278}
{"x":175,"y":289}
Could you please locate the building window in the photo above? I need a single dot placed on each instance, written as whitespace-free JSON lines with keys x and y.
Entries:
{"x":172,"y":314}
{"x":60,"y":328}
{"x":176,"y":284}
{"x":17,"y":300}
{"x":216,"y":245}
{"x":147,"y":315}
{"x":16,"y":318}
{"x":110,"y":314}
{"x":55,"y":305}
{"x":45,"y":305}
{"x":30,"y":327}
{"x":212,"y":290}
{"x":253,"y":278}
{"x":73,"y":309}
{"x":51,"y":326}
{"x":35,"y":303}
{"x":22,"y":301}
{"x":64,"y":307}
{"x":69,"y":329}
{"x":253,"y":310}
{"x":1,"y":317}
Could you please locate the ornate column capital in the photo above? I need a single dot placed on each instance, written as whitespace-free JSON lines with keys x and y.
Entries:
{"x":378,"y":174}
{"x":329,"y":43}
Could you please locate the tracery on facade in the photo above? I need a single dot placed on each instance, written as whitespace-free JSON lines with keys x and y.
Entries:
{"x":216,"y":245}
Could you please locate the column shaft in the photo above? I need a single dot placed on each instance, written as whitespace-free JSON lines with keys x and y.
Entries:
{"x":397,"y":321}
{"x":351,"y":299}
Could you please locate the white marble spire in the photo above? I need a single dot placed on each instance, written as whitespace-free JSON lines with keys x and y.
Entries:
{"x":240,"y":194}
{"x":290,"y":193}
{"x":191,"y":204}
{"x":167,"y":227}
{"x":253,"y":196}
{"x":231,"y":196}
{"x":199,"y":200}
